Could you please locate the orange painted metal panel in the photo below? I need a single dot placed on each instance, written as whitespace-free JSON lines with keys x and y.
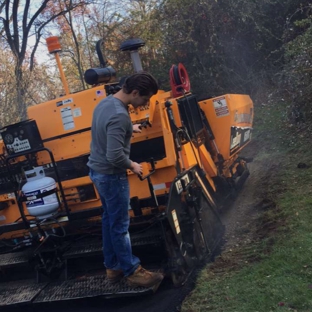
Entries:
{"x":225,"y":112}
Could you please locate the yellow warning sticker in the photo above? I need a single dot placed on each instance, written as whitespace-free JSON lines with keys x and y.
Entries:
{"x":176,"y":221}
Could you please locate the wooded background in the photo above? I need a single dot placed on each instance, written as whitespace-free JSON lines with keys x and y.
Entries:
{"x":258,"y":47}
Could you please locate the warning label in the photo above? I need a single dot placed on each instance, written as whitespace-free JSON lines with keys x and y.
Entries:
{"x":67,"y":118}
{"x":221,"y":107}
{"x":176,"y":221}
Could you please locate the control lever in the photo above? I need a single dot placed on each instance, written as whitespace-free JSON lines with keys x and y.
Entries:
{"x":150,"y":185}
{"x":152,"y":162}
{"x":144,"y":124}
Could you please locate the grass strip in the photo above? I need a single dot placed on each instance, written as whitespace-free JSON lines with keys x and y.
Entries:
{"x":280,"y":277}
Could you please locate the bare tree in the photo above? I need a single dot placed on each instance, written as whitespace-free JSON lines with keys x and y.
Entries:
{"x":20,"y":21}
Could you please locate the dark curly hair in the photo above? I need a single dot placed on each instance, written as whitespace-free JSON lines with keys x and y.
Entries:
{"x":144,"y":82}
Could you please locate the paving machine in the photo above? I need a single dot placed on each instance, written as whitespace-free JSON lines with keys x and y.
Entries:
{"x":50,"y":212}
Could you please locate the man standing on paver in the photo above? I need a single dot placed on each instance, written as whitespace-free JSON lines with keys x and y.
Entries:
{"x":108,"y":162}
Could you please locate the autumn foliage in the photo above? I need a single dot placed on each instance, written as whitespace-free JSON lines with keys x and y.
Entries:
{"x":227,"y":46}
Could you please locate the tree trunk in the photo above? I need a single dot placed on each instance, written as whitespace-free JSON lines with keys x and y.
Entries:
{"x":20,"y":92}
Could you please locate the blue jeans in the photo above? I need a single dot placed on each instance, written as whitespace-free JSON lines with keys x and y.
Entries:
{"x":114,"y":194}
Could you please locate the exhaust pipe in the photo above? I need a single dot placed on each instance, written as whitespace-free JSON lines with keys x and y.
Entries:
{"x":133,"y":45}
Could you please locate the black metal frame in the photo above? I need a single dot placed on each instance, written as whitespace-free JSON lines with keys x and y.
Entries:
{"x":20,"y":199}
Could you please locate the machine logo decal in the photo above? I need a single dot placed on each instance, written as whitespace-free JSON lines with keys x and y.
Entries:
{"x":176,"y":221}
{"x":67,"y":118}
{"x":221,"y":107}
{"x":64,"y":102}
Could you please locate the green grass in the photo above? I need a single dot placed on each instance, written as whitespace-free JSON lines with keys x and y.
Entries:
{"x":281,"y":277}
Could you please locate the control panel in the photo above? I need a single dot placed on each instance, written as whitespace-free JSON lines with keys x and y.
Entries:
{"x":21,"y":137}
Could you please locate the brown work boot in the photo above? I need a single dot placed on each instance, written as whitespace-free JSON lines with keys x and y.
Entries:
{"x":141,"y":277}
{"x":114,"y":276}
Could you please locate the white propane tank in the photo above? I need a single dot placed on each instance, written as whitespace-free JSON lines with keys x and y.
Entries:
{"x":38,"y":183}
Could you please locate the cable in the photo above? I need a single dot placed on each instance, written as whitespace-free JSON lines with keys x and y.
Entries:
{"x":196,"y":137}
{"x":56,"y":221}
{"x":192,"y":146}
{"x":25,"y":216}
{"x":147,"y":228}
{"x":7,"y":244}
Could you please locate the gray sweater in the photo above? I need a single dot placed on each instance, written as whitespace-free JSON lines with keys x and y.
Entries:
{"x":111,"y":132}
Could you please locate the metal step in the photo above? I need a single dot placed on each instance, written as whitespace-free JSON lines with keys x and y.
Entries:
{"x":19,"y":292}
{"x":90,"y":247}
{"x":14,"y":259}
{"x":89,"y":286}
{"x":30,"y":292}
{"x":140,"y":240}
{"x":84,"y":248}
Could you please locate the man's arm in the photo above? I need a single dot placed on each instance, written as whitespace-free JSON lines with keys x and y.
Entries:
{"x":116,"y":133}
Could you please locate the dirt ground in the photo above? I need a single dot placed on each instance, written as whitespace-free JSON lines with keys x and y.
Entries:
{"x":245,"y":220}
{"x":239,"y":218}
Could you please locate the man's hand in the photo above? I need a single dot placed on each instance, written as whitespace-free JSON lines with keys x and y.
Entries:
{"x":136,"y":168}
{"x":137,"y":128}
